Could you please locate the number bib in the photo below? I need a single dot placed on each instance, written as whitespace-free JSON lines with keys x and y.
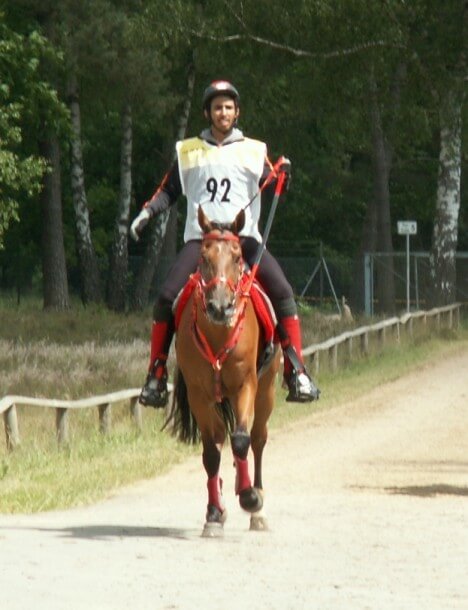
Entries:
{"x":223,"y":179}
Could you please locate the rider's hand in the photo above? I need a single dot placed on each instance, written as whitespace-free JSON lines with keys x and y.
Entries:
{"x":140,"y":223}
{"x":285,"y":166}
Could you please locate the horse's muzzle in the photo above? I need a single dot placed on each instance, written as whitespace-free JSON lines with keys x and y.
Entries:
{"x":220,"y":312}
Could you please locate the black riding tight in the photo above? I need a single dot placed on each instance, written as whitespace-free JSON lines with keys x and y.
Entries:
{"x":269,"y":274}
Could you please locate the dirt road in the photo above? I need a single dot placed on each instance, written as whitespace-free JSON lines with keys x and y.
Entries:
{"x":367,"y":504}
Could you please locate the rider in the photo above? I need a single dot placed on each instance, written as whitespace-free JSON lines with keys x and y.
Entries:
{"x":222,"y":170}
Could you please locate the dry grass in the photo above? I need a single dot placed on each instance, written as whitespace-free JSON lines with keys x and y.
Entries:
{"x":86,"y":352}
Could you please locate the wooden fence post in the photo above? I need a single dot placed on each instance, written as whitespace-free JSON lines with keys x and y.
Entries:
{"x":333,"y":356}
{"x":104,"y":418}
{"x":61,"y":423}
{"x":10,"y":419}
{"x":364,"y":343}
{"x":135,"y":411}
{"x":410,"y":327}
{"x":381,"y":337}
{"x":396,"y":332}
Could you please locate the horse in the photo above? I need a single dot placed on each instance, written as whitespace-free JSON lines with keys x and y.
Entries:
{"x":219,"y":389}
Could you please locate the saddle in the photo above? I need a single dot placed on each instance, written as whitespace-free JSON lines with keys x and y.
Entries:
{"x":262,"y":306}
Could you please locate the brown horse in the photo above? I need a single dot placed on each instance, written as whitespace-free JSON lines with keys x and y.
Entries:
{"x":218,"y":389}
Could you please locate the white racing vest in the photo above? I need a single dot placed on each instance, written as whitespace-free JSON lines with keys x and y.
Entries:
{"x":222,"y":179}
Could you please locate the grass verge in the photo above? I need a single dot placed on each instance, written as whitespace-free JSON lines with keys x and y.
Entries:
{"x":38,"y":476}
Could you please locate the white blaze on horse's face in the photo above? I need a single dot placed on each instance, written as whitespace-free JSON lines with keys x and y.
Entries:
{"x":221,"y":270}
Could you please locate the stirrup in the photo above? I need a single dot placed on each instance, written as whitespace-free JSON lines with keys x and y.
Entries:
{"x":301,"y":387}
{"x":155,"y":392}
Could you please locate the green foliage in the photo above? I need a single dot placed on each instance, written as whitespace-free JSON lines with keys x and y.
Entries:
{"x":303,"y":72}
{"x":24,"y":96}
{"x":20,"y":173}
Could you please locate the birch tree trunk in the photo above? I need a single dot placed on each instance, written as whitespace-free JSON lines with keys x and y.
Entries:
{"x":445,"y":232}
{"x":54,"y":270}
{"x":91,"y":290}
{"x":117,"y":282}
{"x":140,"y":294}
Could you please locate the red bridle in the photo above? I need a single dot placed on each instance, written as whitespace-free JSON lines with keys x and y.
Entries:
{"x":217,"y":359}
{"x":205,"y":286}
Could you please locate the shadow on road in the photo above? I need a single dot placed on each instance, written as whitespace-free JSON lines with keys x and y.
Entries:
{"x":428,"y":491}
{"x":105,"y":532}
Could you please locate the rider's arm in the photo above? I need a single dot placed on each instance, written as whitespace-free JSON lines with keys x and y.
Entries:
{"x":167,"y":192}
{"x":268,"y":168}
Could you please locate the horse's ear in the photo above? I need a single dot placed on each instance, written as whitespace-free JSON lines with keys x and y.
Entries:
{"x":239,"y":222}
{"x":203,"y":221}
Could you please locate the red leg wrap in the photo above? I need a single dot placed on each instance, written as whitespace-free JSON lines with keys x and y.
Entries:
{"x":242,"y":475}
{"x":215,"y":492}
{"x":292,"y":327}
{"x":161,"y":336}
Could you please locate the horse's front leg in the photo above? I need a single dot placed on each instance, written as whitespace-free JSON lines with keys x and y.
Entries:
{"x":250,"y":498}
{"x":216,"y":510}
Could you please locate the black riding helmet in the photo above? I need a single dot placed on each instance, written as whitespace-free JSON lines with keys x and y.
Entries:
{"x":219,"y":87}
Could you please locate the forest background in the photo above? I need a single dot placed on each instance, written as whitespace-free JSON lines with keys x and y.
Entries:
{"x":368,"y":100}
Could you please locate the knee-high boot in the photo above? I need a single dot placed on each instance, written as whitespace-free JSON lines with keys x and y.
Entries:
{"x":155,"y":392}
{"x":301,"y":387}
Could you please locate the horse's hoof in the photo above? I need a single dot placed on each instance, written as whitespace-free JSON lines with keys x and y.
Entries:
{"x":251,"y":499}
{"x":214,"y":515}
{"x":258,"y":523}
{"x":213,"y":529}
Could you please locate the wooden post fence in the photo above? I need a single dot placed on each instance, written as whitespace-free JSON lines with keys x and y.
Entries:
{"x":360,"y":337}
{"x":384,"y":331}
{"x":103,"y":403}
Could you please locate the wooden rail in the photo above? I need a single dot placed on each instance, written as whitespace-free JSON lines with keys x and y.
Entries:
{"x":359,"y":338}
{"x":8,"y":406}
{"x":357,"y":341}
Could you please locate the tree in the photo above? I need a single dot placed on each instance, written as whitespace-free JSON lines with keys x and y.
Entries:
{"x":138,"y":75}
{"x":117,"y":282}
{"x":140,"y":293}
{"x":340,"y":46}
{"x":451,"y":95}
{"x":21,"y":171}
{"x":91,"y":290}
{"x":54,"y":271}
{"x":436,"y":37}
{"x":44,"y":116}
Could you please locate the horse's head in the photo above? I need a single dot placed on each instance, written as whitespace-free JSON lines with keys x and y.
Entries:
{"x":221,"y":267}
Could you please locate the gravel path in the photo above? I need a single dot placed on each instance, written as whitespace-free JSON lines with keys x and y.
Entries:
{"x":367,"y":504}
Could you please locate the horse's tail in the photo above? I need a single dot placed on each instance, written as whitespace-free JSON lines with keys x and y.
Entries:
{"x":181,"y":420}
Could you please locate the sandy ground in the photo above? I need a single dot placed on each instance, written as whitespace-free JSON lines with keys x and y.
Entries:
{"x":367,"y":505}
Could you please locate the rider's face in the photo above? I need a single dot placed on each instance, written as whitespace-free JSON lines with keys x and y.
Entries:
{"x":223,"y":115}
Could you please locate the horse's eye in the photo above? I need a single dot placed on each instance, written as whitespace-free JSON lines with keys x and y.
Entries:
{"x":236,"y":253}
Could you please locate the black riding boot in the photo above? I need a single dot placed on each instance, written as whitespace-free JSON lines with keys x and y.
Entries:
{"x":155,"y":392}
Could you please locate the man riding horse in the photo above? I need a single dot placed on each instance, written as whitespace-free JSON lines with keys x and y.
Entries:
{"x":223,"y":171}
